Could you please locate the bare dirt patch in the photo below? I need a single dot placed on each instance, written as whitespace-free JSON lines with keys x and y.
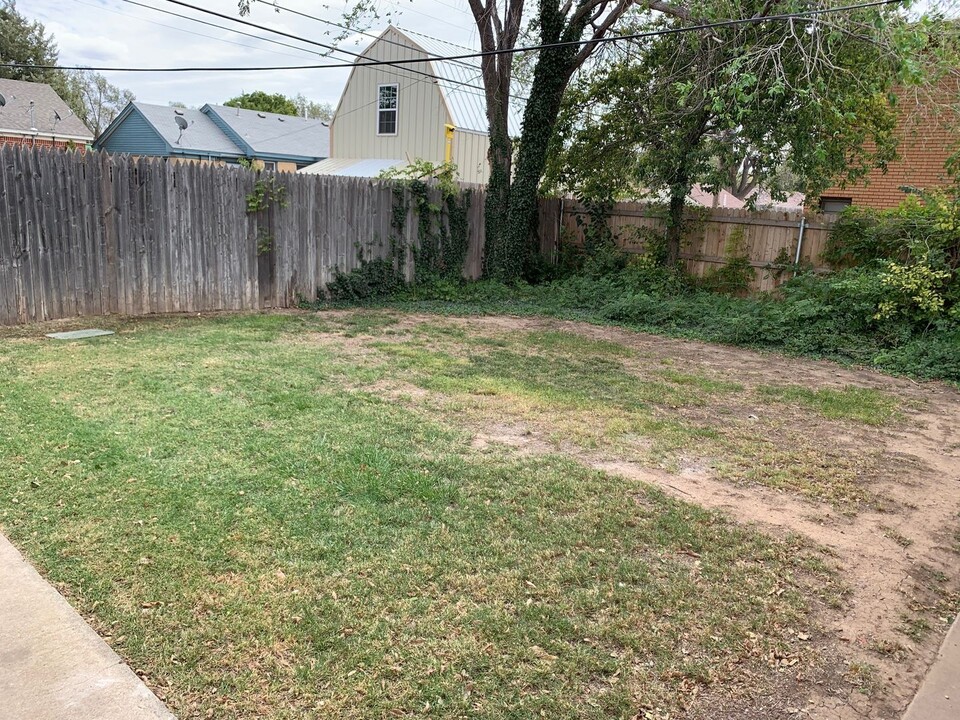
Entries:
{"x":896,"y":551}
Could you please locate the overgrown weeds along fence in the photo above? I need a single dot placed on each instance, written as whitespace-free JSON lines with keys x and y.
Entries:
{"x":768,"y":239}
{"x":95,"y":234}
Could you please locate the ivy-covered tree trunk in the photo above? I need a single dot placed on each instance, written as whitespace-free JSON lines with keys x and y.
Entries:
{"x":678,"y":199}
{"x":551,"y":76}
{"x":497,"y":206}
{"x":539,"y":121}
{"x":686,"y":158}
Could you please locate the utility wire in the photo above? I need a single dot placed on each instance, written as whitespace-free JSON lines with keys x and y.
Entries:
{"x":331,"y":48}
{"x":429,"y":37}
{"x":221,"y":27}
{"x":480,"y":92}
{"x":432,"y":56}
{"x":278,"y":6}
{"x":412,"y":61}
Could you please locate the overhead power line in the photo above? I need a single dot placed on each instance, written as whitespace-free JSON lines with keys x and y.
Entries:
{"x":479,"y":91}
{"x":278,"y":6}
{"x":430,"y":55}
{"x":412,"y":61}
{"x":220,"y":27}
{"x":329,"y":48}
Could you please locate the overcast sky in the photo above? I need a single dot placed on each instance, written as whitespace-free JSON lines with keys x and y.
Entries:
{"x":116,"y":33}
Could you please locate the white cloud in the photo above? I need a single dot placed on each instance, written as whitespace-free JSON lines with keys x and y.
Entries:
{"x":115,"y":33}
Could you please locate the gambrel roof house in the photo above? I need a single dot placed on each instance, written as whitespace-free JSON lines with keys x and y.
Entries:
{"x":33,"y":114}
{"x":390,"y":115}
{"x":217,"y":133}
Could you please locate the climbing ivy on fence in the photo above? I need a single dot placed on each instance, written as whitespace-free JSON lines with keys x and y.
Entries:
{"x":443,"y":235}
{"x":266,"y":192}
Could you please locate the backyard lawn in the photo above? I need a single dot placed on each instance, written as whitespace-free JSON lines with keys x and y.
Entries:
{"x":375,"y":514}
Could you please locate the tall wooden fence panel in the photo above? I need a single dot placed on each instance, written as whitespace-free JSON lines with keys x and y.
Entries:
{"x":93,"y":234}
{"x":768,"y":238}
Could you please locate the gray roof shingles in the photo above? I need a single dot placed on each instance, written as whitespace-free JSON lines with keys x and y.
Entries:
{"x":202,"y":136}
{"x":273,"y":134}
{"x":16,"y":114}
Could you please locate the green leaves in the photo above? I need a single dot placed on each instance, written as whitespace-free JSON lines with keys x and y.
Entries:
{"x":264,"y":102}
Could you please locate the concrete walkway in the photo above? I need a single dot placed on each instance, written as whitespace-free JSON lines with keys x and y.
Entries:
{"x":53,"y":666}
{"x":939,"y":695}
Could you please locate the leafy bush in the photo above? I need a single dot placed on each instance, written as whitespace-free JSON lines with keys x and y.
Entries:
{"x":374,"y":278}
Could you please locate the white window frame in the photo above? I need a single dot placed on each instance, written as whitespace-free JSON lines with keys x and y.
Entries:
{"x":396,"y":110}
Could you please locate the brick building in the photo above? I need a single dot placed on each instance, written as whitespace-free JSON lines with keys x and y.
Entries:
{"x":928,"y":135}
{"x":33,"y":114}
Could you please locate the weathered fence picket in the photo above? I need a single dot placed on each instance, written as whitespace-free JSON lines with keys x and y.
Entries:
{"x":766,"y":238}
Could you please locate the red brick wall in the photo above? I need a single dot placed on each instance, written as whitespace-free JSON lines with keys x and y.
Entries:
{"x":40,"y":142}
{"x":927,"y":138}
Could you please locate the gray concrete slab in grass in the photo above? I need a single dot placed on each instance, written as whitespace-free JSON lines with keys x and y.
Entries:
{"x":79,"y":334}
{"x":53,"y":666}
{"x":939,"y":695}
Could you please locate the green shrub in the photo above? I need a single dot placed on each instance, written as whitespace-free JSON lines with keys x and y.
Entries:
{"x":374,"y":278}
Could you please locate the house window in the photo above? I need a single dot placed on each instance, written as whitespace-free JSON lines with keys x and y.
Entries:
{"x":269,"y":165}
{"x":834,"y":204}
{"x":387,"y":96}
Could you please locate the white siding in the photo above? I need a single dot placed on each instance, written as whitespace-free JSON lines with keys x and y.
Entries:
{"x":421,"y":111}
{"x":422,"y":114}
{"x":470,"y":155}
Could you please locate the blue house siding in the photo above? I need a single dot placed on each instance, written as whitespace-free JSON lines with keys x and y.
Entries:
{"x":133,"y":135}
{"x":152,"y":130}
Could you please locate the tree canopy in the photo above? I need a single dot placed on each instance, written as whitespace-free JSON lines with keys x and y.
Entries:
{"x":733,"y":108}
{"x":313,"y":110}
{"x":760,"y":71}
{"x":94,"y":99}
{"x":264,"y":102}
{"x":26,"y":41}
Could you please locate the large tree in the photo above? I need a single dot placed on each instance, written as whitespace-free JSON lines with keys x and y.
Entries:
{"x":731,"y":108}
{"x":94,"y":99}
{"x":312,"y":109}
{"x":559,"y":24}
{"x":264,"y":102}
{"x":26,"y":41}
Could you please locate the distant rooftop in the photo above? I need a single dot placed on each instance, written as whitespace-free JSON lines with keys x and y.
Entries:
{"x":273,"y":134}
{"x":353,"y":167}
{"x":202,"y":136}
{"x":48,"y":115}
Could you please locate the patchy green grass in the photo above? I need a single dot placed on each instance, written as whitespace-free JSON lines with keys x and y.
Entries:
{"x":865,"y":405}
{"x":265,"y":534}
{"x":865,"y":677}
{"x":604,"y":397}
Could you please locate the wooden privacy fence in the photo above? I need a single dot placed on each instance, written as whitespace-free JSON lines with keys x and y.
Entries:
{"x":94,"y":234}
{"x":711,"y":235}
